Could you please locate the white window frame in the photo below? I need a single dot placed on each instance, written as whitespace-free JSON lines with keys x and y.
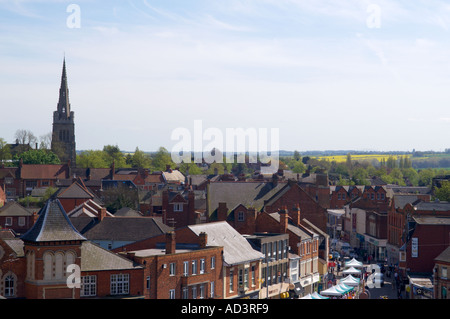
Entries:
{"x":202,"y":266}
{"x":120,"y":284}
{"x":172,"y":294}
{"x":194,"y":267}
{"x":172,"y":269}
{"x":241,"y":216}
{"x":178,"y":207}
{"x":21,"y":221}
{"x":8,"y":221}
{"x":88,"y":286}
{"x":186,"y":268}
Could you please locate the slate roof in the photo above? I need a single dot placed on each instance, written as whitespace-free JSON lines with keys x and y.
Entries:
{"x":236,"y":249}
{"x":16,"y":245}
{"x":250,"y":194}
{"x":95,"y":258}
{"x":74,"y":191}
{"x":401,"y":200}
{"x":444,"y":256}
{"x":52,"y":225}
{"x":127,"y":212}
{"x":120,"y":228}
{"x":302,"y":233}
{"x":437,"y":206}
{"x":14,"y":209}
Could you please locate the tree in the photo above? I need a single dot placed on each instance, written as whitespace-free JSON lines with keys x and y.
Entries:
{"x":297,"y":156}
{"x":426,"y":177}
{"x":92,"y":159}
{"x":161,"y":159}
{"x":443,"y":193}
{"x":5,"y":153}
{"x":38,"y":157}
{"x":140,"y":159}
{"x":114,"y":154}
{"x":190,"y":169}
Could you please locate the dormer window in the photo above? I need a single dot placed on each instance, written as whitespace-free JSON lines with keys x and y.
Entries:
{"x":178,"y":207}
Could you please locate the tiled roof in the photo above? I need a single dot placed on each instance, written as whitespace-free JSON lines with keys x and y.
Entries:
{"x":52,"y":225}
{"x":14,"y":209}
{"x":74,"y":191}
{"x":236,"y":248}
{"x":16,"y":245}
{"x":44,"y":171}
{"x":95,"y":258}
{"x":120,"y":228}
{"x":250,"y":194}
{"x":444,"y":256}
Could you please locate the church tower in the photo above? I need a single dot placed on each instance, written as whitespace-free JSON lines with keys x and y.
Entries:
{"x":63,"y":135}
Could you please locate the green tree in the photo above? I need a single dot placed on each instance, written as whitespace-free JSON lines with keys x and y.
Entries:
{"x":38,"y":157}
{"x":114,"y":154}
{"x":5,"y":153}
{"x":161,"y":159}
{"x":140,"y":159}
{"x":190,"y":169}
{"x":297,"y":156}
{"x":443,"y":192}
{"x":92,"y":159}
{"x":411,"y":175}
{"x":426,"y":177}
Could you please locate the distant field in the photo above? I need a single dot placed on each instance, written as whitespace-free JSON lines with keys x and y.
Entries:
{"x":358,"y":157}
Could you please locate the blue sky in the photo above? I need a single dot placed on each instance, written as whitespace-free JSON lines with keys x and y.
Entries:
{"x":320,"y":71}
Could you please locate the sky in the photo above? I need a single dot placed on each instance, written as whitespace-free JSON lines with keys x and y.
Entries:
{"x":328,"y":75}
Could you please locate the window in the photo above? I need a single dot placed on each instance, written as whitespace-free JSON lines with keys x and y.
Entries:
{"x":194,"y":267}
{"x":194,"y":292}
{"x":21,"y":221}
{"x":231,"y":280}
{"x":172,"y":269}
{"x":253,"y":276}
{"x":186,"y":268}
{"x":211,"y":289}
{"x":202,"y":266}
{"x":382,"y":196}
{"x":177,"y":207}
{"x":241,"y":278}
{"x":241,"y":216}
{"x":8,"y":221}
{"x":148,"y":282}
{"x":9,"y":180}
{"x":185,"y":293}
{"x":9,"y":286}
{"x":246,"y":277}
{"x":213,"y":262}
{"x":120,"y":284}
{"x":202,"y":291}
{"x":88,"y":286}
{"x":444,"y":272}
{"x":172,"y":294}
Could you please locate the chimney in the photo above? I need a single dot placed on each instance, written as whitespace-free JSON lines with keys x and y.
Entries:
{"x":203,"y":240}
{"x":222,"y":212}
{"x":191,"y":207}
{"x":274,"y":180}
{"x":251,"y":220}
{"x":296,"y":214}
{"x":170,"y":243}
{"x":102,"y":214}
{"x":283,"y":220}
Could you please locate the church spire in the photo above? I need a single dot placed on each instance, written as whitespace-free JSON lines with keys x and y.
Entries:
{"x":63,"y":103}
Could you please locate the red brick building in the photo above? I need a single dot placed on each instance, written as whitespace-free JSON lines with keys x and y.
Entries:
{"x":40,"y":264}
{"x":180,"y":270}
{"x":16,"y":217}
{"x":441,"y":275}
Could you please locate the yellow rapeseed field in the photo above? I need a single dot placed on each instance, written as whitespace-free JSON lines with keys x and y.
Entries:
{"x":358,"y":157}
